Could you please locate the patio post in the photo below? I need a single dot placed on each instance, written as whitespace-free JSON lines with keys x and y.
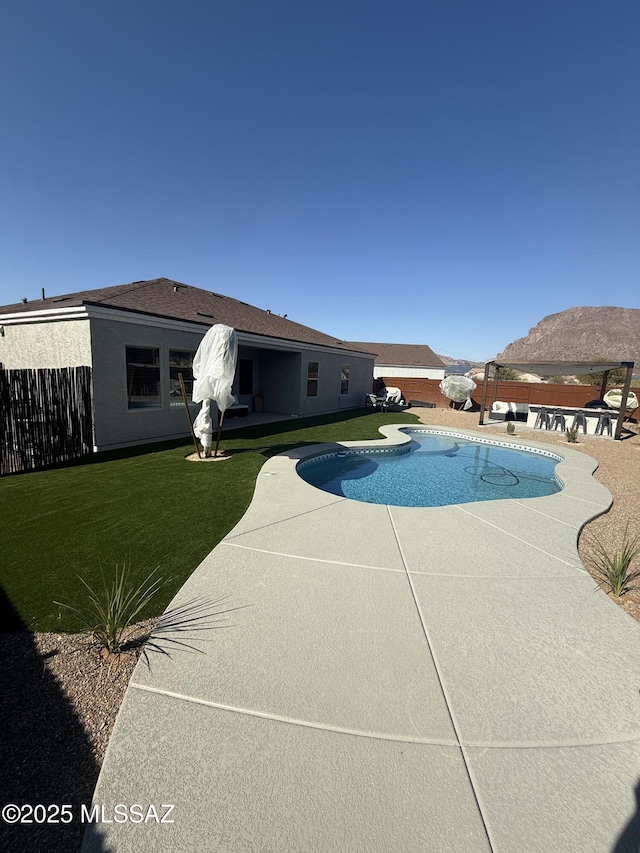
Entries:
{"x":603,"y":387}
{"x":496,"y":375}
{"x":625,"y":393}
{"x":484,"y":391}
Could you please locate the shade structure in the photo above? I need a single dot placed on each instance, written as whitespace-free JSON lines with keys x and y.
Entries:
{"x":214,"y":368}
{"x":561,"y":368}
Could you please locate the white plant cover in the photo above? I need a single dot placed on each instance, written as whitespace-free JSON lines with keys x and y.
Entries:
{"x":394,"y":395}
{"x":458,"y":388}
{"x":613,"y":399}
{"x":214,"y":367}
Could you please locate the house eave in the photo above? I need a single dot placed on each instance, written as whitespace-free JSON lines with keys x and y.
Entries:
{"x":90,"y":311}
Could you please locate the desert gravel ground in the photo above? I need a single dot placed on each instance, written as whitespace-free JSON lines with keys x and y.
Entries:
{"x":63,"y":696}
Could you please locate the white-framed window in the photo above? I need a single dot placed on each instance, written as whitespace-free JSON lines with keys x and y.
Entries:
{"x":143,"y":377}
{"x":345,"y":375}
{"x":312,"y":378}
{"x":180,"y":361}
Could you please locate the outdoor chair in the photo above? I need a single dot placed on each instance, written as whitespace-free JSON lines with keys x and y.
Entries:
{"x":558,"y":420}
{"x":542,"y":420}
{"x":580,"y":420}
{"x":604,"y":422}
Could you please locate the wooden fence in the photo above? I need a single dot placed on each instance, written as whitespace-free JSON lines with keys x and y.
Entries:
{"x":535,"y":393}
{"x":45,"y":417}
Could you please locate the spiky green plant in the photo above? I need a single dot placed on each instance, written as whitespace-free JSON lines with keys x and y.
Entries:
{"x":108,"y":612}
{"x":511,"y":428}
{"x":615,"y":569}
{"x":572,"y":435}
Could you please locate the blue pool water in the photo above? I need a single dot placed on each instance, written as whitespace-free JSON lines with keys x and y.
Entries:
{"x":438,"y":470}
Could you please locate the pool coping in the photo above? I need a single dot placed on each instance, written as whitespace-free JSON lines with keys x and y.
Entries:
{"x":574,"y":470}
{"x":320,"y":732}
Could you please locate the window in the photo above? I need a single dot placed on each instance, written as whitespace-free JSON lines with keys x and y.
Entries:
{"x":143,"y":378}
{"x":345,"y":373}
{"x":180,"y":361}
{"x":245,"y":376}
{"x":312,"y":379}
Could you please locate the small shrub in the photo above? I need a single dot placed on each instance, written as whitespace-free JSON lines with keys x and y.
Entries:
{"x":108,"y":612}
{"x":572,"y":435}
{"x":508,"y":374}
{"x":615,"y":569}
{"x":616,"y":377}
{"x":511,"y":428}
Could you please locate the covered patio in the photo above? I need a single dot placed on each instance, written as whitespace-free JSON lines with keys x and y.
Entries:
{"x":559,"y":368}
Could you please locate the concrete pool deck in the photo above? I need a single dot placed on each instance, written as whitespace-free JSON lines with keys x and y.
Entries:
{"x":396,"y":679}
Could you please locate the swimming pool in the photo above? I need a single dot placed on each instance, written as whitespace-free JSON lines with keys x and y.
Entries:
{"x":437,"y":468}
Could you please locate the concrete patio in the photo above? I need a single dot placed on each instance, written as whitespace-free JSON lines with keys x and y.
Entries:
{"x":395,"y":679}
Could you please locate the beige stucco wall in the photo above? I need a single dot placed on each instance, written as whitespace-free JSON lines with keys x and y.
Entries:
{"x":115,"y":424}
{"x":32,"y":345}
{"x":329,"y":398}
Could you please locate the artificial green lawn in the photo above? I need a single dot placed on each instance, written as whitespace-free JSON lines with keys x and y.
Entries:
{"x":146,"y":506}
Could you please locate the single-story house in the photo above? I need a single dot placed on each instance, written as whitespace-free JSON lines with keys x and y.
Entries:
{"x":138,"y":337}
{"x":405,"y":361}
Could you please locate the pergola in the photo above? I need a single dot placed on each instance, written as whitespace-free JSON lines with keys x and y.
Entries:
{"x":561,"y":368}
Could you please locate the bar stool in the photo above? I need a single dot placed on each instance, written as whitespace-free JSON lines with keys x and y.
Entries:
{"x":604,"y":421}
{"x":580,"y":420}
{"x":558,"y":420}
{"x":542,"y":419}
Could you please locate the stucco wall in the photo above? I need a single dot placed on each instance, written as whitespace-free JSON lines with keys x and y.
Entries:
{"x":279,"y":374}
{"x":280,"y":381}
{"x":115,"y":423}
{"x":329,"y":398}
{"x":34,"y":345}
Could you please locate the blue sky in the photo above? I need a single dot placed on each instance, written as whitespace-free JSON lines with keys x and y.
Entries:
{"x":444,"y":172}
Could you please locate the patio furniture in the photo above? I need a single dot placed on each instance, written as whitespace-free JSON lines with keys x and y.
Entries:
{"x":613,"y":399}
{"x":508,"y":411}
{"x":377,"y":401}
{"x":238,"y":411}
{"x":558,"y":420}
{"x":542,"y":421}
{"x":580,"y":420}
{"x":605,"y":421}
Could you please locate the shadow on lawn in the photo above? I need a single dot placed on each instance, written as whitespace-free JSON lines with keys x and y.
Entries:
{"x":45,"y":754}
{"x":252,"y":433}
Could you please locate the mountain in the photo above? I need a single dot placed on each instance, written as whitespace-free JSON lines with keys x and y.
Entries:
{"x":462,"y":361}
{"x":581,"y":334}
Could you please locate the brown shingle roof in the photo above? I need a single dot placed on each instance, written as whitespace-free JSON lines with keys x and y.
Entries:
{"x":164,"y":297}
{"x":411,"y":355}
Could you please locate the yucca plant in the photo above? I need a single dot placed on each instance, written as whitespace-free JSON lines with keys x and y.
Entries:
{"x":108,"y":612}
{"x":615,"y":568}
{"x":572,"y":435}
{"x":511,"y":428}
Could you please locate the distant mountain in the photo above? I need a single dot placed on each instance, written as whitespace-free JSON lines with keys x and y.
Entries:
{"x":462,"y":361}
{"x":581,"y":334}
{"x":457,"y":366}
{"x":457,"y":369}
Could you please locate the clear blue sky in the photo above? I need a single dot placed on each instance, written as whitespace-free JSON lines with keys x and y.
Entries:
{"x":422,"y":171}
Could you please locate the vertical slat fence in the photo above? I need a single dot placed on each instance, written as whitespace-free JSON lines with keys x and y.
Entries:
{"x":45,"y":417}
